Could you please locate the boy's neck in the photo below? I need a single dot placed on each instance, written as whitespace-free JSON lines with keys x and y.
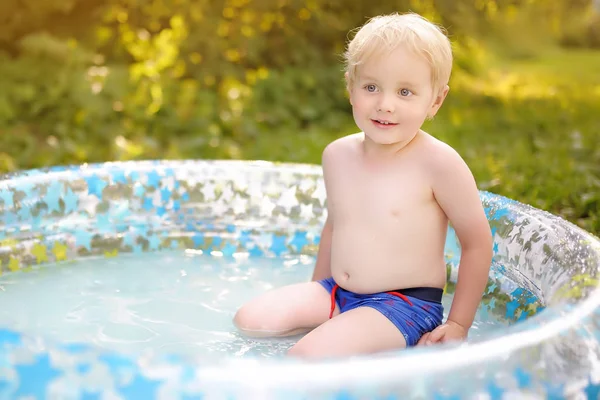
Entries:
{"x":375,"y":151}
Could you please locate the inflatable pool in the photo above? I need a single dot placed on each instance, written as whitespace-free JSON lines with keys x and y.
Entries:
{"x":59,"y":224}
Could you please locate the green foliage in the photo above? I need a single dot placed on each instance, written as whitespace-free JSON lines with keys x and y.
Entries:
{"x":527,"y":130}
{"x":91,"y":81}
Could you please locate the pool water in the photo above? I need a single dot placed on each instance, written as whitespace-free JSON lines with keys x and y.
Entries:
{"x":166,"y":303}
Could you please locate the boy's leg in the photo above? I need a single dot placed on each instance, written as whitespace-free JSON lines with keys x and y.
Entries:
{"x":285,"y":311}
{"x":362,"y":330}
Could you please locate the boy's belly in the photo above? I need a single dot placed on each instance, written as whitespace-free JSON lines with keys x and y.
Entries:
{"x":366,"y":260}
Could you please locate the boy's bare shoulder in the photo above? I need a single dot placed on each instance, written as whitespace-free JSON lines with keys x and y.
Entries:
{"x":439,"y":153}
{"x":342,"y":146}
{"x":443,"y":163}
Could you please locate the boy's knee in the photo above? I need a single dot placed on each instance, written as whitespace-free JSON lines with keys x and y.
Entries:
{"x":303,"y":351}
{"x":255,"y":323}
{"x":244,"y":320}
{"x":252,"y":323}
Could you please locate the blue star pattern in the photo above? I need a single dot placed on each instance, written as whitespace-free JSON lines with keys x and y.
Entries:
{"x":278,"y":245}
{"x":148,"y":205}
{"x":153,"y":179}
{"x":7,"y":197}
{"x":76,"y":348}
{"x":198,"y":240}
{"x":36,"y":377}
{"x":344,"y":395}
{"x":118,"y":176}
{"x":229,"y":249}
{"x":104,"y":223}
{"x":140,"y":388}
{"x":214,"y":243}
{"x":256,"y":251}
{"x":53,"y":196}
{"x":245,"y":237}
{"x":554,"y":391}
{"x":318,"y":239}
{"x":142,"y":230}
{"x":165,"y":195}
{"x":511,"y":308}
{"x":36,"y":221}
{"x":9,"y":337}
{"x":139,"y":190}
{"x":9,"y":219}
{"x":154,"y":242}
{"x":484,"y":313}
{"x":84,"y":239}
{"x":117,"y":363}
{"x":523,"y":315}
{"x":299,"y":240}
{"x":129,"y":239}
{"x":84,"y":368}
{"x":523,"y":378}
{"x":71,"y":201}
{"x":24,"y":213}
{"x":96,"y":185}
{"x":592,"y":390}
{"x":133,"y":176}
{"x":127,"y":208}
{"x":495,"y":391}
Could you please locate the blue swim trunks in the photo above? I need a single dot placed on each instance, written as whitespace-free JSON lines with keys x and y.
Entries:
{"x":414,"y":311}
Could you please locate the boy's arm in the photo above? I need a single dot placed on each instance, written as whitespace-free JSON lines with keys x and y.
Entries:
{"x":456,"y":191}
{"x":323,"y":263}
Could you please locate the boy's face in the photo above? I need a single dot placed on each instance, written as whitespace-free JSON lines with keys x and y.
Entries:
{"x":392,"y":95}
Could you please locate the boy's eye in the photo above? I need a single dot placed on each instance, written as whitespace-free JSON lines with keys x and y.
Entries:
{"x":371,"y":88}
{"x":405,"y":92}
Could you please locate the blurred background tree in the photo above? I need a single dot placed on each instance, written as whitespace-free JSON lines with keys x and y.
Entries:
{"x":102,"y":80}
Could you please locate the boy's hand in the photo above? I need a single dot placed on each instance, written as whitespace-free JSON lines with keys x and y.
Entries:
{"x":448,"y":332}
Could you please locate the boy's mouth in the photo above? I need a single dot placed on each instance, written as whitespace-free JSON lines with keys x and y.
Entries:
{"x":382,"y":122}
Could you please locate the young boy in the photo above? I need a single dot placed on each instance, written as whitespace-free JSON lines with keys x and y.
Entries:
{"x":391,"y":191}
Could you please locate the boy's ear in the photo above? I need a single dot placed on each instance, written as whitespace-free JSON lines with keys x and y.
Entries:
{"x":438,"y":101}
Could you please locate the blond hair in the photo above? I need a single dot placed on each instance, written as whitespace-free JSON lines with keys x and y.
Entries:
{"x":387,"y":32}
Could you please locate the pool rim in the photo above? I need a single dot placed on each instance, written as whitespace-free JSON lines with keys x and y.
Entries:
{"x":249,"y":372}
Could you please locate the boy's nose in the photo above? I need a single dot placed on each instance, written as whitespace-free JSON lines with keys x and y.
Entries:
{"x":386,"y":104}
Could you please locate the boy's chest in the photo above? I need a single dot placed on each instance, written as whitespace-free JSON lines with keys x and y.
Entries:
{"x":392,"y":193}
